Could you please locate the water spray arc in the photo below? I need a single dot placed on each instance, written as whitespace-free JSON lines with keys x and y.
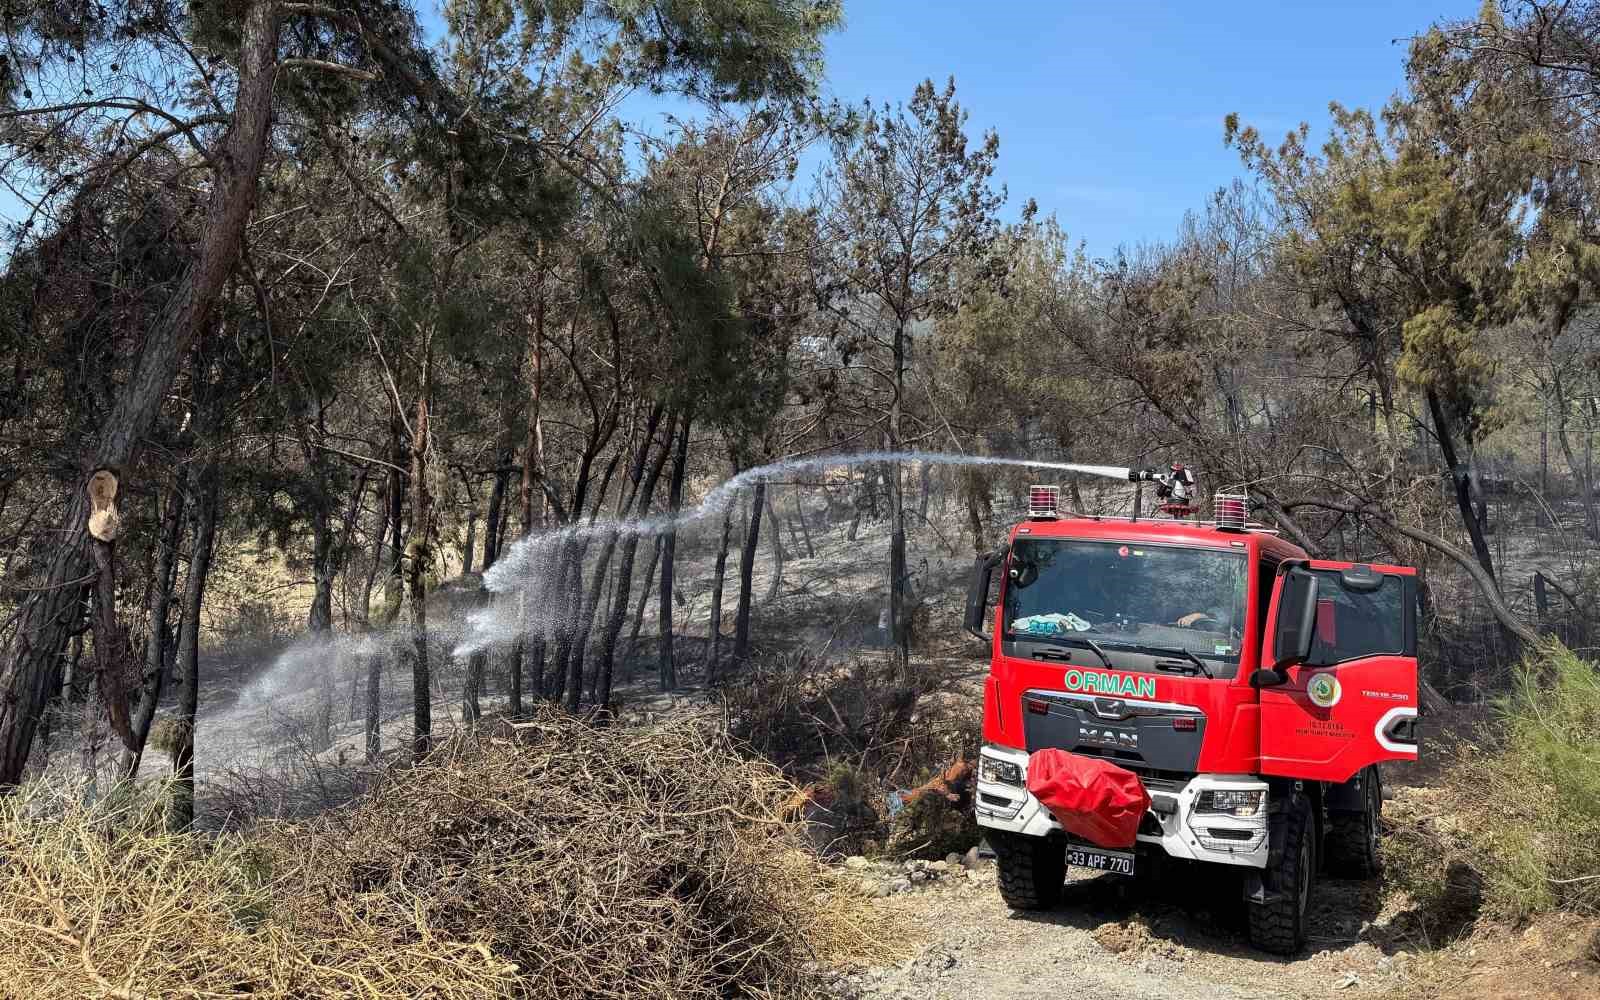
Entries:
{"x":518,"y":570}
{"x":514,"y":582}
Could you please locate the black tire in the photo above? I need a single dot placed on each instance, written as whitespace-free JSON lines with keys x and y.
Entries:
{"x":1352,"y":842}
{"x":1031,"y":869}
{"x":1279,"y":926}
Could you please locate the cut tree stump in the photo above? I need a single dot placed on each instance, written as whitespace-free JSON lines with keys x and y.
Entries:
{"x":105,"y":524}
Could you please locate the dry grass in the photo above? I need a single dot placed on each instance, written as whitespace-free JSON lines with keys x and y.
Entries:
{"x":1511,"y":831}
{"x":805,"y":713}
{"x":556,"y":861}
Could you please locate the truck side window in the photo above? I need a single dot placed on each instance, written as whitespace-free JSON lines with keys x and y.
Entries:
{"x":1352,"y":623}
{"x":1266,"y":578}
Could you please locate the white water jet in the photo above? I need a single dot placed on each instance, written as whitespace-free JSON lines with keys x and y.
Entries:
{"x":305,"y":662}
{"x":511,"y":580}
{"x":511,"y":608}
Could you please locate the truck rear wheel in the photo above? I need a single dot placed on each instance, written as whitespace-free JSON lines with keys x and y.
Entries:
{"x":1031,"y":869}
{"x":1352,"y":842}
{"x":1278,"y":925}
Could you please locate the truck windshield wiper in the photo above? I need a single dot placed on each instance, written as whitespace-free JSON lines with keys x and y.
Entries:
{"x":1186,"y":654}
{"x":1082,"y":642}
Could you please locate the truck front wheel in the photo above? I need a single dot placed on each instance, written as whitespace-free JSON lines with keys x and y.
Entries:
{"x":1031,"y":869}
{"x":1278,"y":922}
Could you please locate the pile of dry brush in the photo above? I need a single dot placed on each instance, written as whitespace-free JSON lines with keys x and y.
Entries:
{"x":856,"y":735}
{"x":555,"y":860}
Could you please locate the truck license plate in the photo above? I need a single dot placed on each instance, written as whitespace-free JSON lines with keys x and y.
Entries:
{"x":1103,"y":861}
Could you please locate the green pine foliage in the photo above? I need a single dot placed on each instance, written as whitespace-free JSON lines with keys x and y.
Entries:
{"x":1521,"y":813}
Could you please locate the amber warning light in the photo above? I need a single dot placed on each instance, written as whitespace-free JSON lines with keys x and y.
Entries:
{"x":1043,"y":501}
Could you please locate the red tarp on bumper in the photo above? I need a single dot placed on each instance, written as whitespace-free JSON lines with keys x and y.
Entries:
{"x":1092,"y":798}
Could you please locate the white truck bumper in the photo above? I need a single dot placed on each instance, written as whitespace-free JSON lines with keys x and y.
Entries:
{"x":1185,"y":833}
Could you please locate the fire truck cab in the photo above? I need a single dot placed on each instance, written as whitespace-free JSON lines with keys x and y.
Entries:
{"x":1252,"y":690}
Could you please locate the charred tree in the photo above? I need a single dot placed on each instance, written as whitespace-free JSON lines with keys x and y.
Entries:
{"x":667,"y":669}
{"x":46,"y":615}
{"x":320,"y":619}
{"x":778,"y":554}
{"x":805,"y":529}
{"x":110,"y":645}
{"x":1461,"y":483}
{"x":205,"y":489}
{"x":627,"y":501}
{"x":419,"y":559}
{"x":492,"y":530}
{"x":747,"y":568}
{"x":714,"y":628}
{"x":619,"y":600}
{"x":645,"y":591}
{"x":156,"y":645}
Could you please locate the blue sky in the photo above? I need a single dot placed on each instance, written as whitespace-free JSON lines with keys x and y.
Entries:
{"x":1110,"y":114}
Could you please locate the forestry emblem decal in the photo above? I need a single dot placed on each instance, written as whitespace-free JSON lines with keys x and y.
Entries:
{"x":1323,"y":690}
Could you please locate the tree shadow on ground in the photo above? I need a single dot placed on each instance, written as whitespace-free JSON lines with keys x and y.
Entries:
{"x":1201,"y":907}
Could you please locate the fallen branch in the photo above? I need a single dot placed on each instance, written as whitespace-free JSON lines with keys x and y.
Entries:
{"x":1485,"y":583}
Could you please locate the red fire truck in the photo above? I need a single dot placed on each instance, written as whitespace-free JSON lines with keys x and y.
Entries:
{"x":1245,"y":692}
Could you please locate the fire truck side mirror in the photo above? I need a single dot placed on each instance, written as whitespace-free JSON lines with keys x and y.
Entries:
{"x":1267,"y":678}
{"x":978,"y":592}
{"x":1297,"y":619}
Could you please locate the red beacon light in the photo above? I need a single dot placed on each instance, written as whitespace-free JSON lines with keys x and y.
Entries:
{"x":1044,"y":502}
{"x":1232,"y":511}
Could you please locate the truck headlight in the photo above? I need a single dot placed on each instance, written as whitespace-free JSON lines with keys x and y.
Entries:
{"x":1002,"y":772}
{"x":1229,"y":802}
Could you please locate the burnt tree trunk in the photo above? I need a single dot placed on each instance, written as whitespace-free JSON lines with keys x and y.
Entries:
{"x":972,"y":482}
{"x":627,"y":500}
{"x":805,"y":529}
{"x":619,"y":600}
{"x":470,"y":545}
{"x":471,"y":711}
{"x":530,"y":648}
{"x":347,"y":534}
{"x":188,"y":678}
{"x":794,"y":533}
{"x":320,"y":619}
{"x":109,"y":648}
{"x":1580,"y":472}
{"x":1461,"y":482}
{"x":714,"y":629}
{"x":667,"y":668}
{"x":747,"y":569}
{"x":418,"y":561}
{"x":644,"y":598}
{"x":558,"y":630}
{"x":155,"y":656}
{"x":497,"y":498}
{"x":391,"y":530}
{"x":47,"y":614}
{"x":778,"y":553}
{"x":899,"y":627}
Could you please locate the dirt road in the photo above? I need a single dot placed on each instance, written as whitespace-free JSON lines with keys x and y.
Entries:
{"x":1182,"y":939}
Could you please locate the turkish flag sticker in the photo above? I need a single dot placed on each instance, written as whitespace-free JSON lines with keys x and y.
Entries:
{"x":1123,"y":552}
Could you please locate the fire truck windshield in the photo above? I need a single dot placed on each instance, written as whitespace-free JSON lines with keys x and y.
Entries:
{"x":1128,"y":595}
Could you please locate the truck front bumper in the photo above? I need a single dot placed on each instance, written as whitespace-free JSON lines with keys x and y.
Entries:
{"x":1184,"y":832}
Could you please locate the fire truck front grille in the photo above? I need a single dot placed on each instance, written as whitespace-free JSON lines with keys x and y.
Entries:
{"x":1138,"y":735}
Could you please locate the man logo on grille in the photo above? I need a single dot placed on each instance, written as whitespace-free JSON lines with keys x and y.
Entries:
{"x":1111,"y":708}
